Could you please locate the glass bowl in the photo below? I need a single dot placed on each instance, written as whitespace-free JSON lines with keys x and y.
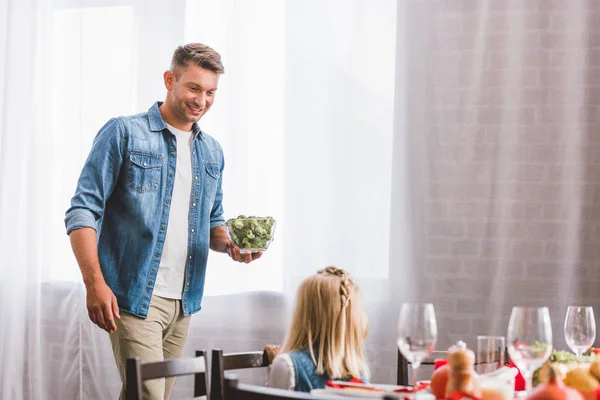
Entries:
{"x":252,"y":234}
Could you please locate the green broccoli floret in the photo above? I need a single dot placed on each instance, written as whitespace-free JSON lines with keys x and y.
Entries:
{"x":251,"y":232}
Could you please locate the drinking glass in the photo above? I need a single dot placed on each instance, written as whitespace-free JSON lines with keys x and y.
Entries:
{"x":580,"y":329}
{"x":529,"y":339}
{"x":490,"y":353}
{"x":417,"y":334}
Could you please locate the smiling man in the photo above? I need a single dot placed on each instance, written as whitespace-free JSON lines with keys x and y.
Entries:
{"x":146,"y":210}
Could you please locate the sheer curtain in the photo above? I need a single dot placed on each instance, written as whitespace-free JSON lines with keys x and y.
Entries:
{"x":442,"y":151}
{"x":305,"y":117}
{"x":503,"y":96}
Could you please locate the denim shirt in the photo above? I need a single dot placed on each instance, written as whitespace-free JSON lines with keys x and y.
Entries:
{"x":124,"y":193}
{"x":306,"y":376}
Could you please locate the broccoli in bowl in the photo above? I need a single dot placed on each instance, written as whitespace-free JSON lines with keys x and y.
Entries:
{"x":251,"y":234}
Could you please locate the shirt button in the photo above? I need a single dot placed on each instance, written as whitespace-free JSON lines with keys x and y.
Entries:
{"x":187,"y":284}
{"x":193,"y":153}
{"x":193,"y":230}
{"x":162,"y":228}
{"x":193,"y":204}
{"x":149,"y":283}
{"x":190,"y":257}
{"x":171,"y":175}
{"x":157,"y":255}
{"x":196,"y":177}
{"x":145,"y":164}
{"x":167,"y":202}
{"x":172,"y":150}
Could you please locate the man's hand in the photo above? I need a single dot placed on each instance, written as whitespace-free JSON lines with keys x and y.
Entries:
{"x":101,"y":302}
{"x":221,"y":242}
{"x":234,"y":253}
{"x":102,"y":306}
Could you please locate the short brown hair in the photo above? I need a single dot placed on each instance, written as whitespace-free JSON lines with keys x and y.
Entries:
{"x":199,"y":54}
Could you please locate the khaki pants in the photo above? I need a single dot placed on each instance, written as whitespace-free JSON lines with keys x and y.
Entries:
{"x":160,"y":336}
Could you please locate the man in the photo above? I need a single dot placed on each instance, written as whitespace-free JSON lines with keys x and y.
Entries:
{"x":146,"y":210}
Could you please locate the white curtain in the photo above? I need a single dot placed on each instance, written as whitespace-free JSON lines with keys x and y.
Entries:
{"x":305,"y":117}
{"x":441,"y":151}
{"x":504,"y":104}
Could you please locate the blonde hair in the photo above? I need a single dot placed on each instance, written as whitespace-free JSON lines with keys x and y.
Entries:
{"x":329,"y":320}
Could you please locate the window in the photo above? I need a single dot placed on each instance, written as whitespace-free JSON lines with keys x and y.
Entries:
{"x":304,"y":114}
{"x":93,"y":79}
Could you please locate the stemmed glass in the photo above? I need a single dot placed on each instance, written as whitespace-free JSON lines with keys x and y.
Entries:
{"x":529,"y":339}
{"x":417,"y":334}
{"x":580,"y":329}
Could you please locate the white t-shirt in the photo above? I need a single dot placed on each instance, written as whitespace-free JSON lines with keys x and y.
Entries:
{"x":282,"y":374}
{"x":171,"y":271}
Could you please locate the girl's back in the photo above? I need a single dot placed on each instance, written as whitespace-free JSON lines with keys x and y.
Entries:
{"x":328,"y":318}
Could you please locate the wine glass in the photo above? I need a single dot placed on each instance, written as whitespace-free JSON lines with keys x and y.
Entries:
{"x":529,"y":339}
{"x":580,"y":329}
{"x":417,"y":334}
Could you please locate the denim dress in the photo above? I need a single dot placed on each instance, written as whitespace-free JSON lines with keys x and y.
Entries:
{"x":307,"y":378}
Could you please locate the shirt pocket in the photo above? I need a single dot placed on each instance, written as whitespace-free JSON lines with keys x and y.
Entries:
{"x":213,"y":173}
{"x":144,"y":171}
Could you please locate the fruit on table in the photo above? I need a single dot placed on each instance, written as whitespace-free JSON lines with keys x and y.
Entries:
{"x":595,"y":368}
{"x":592,"y":351}
{"x":547,"y":370}
{"x":554,"y":388}
{"x":566,"y":360}
{"x":581,"y":379}
{"x":439,"y":381}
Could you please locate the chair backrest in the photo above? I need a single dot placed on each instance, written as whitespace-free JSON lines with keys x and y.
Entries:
{"x":239,"y":391}
{"x":402,"y":373}
{"x":137,"y":372}
{"x":226,"y":362}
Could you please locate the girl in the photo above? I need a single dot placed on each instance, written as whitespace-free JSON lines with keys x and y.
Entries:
{"x":325,"y":340}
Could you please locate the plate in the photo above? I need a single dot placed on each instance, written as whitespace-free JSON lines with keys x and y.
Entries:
{"x":347,"y":391}
{"x":326,"y":394}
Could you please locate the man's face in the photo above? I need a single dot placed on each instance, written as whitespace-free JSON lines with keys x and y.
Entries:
{"x":192,"y":95}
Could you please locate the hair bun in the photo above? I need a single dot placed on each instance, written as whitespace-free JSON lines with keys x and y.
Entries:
{"x":331,"y":270}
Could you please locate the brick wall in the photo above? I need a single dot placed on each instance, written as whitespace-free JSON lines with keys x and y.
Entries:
{"x":511,"y":155}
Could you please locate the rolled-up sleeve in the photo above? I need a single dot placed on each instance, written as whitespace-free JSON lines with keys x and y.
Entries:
{"x":98,"y":178}
{"x":77,"y":218}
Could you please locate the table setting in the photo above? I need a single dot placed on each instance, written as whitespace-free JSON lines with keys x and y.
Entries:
{"x":533,"y":370}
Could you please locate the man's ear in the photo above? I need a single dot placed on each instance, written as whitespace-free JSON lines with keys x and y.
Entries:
{"x":169,"y":78}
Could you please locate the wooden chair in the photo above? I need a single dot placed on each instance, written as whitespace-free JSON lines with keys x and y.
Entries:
{"x":226,"y":362}
{"x":239,"y":391}
{"x":137,"y":372}
{"x":402,"y":373}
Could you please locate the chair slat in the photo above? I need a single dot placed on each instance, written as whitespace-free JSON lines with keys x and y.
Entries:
{"x":254,"y":359}
{"x":402,"y":368}
{"x":173,"y":367}
{"x":224,"y":362}
{"x":402,"y":376}
{"x":138,"y":372}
